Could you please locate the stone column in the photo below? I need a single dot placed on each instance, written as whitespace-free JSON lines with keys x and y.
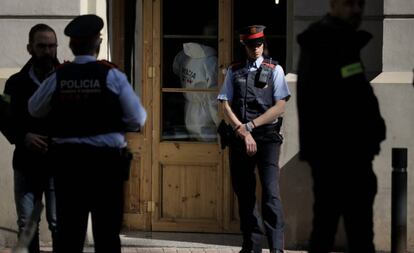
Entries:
{"x":398,"y":47}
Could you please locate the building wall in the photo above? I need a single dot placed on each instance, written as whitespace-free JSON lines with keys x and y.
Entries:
{"x":398,"y":35}
{"x":396,"y":101}
{"x":7,"y":210}
{"x":16,"y":19}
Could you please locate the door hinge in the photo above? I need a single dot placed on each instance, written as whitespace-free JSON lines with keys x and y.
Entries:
{"x":151,"y":72}
{"x":150,"y":206}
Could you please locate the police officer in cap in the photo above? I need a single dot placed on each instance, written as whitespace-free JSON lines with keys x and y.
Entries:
{"x":90,"y":105}
{"x":253,"y":99}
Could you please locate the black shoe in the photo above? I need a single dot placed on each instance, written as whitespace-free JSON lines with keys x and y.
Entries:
{"x":243,"y":250}
{"x":276,"y":251}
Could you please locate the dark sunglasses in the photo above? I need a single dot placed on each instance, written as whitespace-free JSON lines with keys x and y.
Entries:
{"x":253,"y":44}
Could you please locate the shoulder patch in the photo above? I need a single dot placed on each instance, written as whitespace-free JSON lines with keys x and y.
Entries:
{"x":107,"y":63}
{"x":268,"y":62}
{"x":62,"y":65}
{"x":352,"y":69}
{"x":236,"y":65}
{"x":58,"y":67}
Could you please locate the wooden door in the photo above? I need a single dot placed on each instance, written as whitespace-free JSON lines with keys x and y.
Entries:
{"x":138,"y":189}
{"x":180,"y":179}
{"x":188,"y":175}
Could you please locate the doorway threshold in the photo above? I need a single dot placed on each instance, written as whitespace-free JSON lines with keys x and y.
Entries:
{"x":179,"y":239}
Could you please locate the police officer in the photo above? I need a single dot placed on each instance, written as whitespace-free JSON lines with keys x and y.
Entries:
{"x":253,"y":98}
{"x":90,"y":105}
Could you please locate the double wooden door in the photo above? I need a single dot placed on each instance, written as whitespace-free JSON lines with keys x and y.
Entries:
{"x":180,"y":178}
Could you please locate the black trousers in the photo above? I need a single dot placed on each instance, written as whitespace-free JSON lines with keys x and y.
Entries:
{"x":243,"y":177}
{"x":88,"y":180}
{"x":344,"y":188}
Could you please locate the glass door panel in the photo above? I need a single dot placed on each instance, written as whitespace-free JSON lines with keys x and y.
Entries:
{"x":189,"y":70}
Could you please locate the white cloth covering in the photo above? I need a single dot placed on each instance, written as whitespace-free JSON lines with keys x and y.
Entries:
{"x":196,"y":65}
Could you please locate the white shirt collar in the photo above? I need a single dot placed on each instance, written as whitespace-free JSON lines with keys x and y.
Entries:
{"x":257,"y":63}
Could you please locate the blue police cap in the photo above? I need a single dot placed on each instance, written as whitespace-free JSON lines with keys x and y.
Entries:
{"x":252,"y":34}
{"x":84,"y":26}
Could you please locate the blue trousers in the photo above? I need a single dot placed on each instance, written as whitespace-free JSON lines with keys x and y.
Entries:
{"x":252,"y":224}
{"x":29,"y":188}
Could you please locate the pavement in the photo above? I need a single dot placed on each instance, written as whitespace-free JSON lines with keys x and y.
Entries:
{"x":173,"y":250}
{"x":131,"y":249}
{"x":162,"y":242}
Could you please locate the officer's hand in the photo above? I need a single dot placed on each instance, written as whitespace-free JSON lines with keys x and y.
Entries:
{"x":242,"y":132}
{"x":251,"y":147}
{"x":36,"y":143}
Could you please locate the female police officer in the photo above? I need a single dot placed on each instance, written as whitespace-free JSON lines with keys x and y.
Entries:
{"x":253,"y":98}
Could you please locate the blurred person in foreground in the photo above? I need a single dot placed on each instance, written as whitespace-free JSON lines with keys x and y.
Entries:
{"x":340,"y":127}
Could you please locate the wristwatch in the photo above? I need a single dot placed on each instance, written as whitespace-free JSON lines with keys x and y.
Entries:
{"x":249,"y":126}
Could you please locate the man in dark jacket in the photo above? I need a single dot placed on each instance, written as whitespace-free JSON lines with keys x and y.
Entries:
{"x":340,"y":126}
{"x":31,"y":178}
{"x":4,"y":111}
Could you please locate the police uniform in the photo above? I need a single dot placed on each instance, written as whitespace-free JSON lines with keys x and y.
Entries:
{"x":253,"y":88}
{"x":90,"y":105}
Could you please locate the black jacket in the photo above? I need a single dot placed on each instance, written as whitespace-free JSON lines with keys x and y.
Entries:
{"x":4,"y":113}
{"x":20,"y":87}
{"x":338,"y":111}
